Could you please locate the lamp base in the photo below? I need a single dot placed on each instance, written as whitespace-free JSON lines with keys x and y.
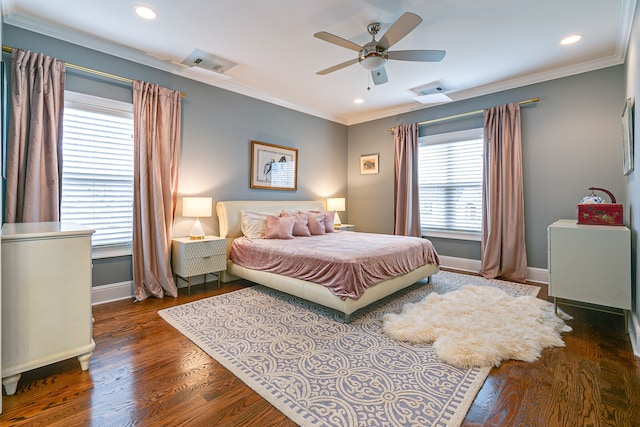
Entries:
{"x":336,"y":219}
{"x":197,"y":232}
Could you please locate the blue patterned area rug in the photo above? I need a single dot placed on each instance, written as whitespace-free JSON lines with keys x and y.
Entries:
{"x":319,"y":371}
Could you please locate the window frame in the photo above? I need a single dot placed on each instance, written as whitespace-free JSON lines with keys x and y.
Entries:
{"x":106,"y":106}
{"x":448,"y":137}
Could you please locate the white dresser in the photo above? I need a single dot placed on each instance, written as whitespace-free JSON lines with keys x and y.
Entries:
{"x":46,"y":297}
{"x":590,"y":263}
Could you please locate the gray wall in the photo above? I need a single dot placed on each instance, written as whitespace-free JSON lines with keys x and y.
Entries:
{"x":632,"y":186}
{"x":217,"y":127}
{"x":571,"y":141}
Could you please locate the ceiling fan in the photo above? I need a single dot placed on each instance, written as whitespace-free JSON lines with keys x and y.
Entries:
{"x":373,"y":55}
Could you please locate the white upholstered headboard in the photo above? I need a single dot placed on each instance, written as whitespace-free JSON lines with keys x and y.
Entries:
{"x":230,"y":212}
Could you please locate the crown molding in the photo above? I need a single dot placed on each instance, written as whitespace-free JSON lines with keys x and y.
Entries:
{"x":492,"y":88}
{"x":11,"y":17}
{"x":90,"y":42}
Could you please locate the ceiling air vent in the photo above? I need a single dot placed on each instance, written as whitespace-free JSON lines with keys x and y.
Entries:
{"x":432,"y":93}
{"x":201,"y":59}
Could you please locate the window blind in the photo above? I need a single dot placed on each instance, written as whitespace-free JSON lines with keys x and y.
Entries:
{"x":97,"y":179}
{"x":450,"y":182}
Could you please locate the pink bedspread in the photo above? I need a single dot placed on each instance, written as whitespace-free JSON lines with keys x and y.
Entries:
{"x":345,"y":262}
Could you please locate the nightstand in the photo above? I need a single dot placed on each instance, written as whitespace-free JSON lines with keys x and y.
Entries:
{"x":345,"y":227}
{"x":195,"y":257}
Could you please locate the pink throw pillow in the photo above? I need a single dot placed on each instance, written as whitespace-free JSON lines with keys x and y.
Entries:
{"x":279,"y":227}
{"x":301,"y":225}
{"x":329,"y":217}
{"x":316,"y":223}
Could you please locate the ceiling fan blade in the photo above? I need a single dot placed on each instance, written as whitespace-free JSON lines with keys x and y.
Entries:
{"x":379,"y":76}
{"x":337,"y":67}
{"x":403,"y":26}
{"x":332,"y":38}
{"x":418,"y":55}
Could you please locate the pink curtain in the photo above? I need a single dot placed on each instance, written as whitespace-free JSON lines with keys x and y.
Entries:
{"x":34,"y":143}
{"x":156,"y":159}
{"x":406,"y":197}
{"x":503,"y":246}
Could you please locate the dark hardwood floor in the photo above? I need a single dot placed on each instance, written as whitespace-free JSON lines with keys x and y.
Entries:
{"x":144,"y":372}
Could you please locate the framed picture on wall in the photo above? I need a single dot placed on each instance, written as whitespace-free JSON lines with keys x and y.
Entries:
{"x":627,"y":136}
{"x":273,"y":167}
{"x":4,"y":124}
{"x":369,"y":164}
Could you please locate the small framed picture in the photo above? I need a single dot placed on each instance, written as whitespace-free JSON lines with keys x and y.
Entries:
{"x":369,"y":164}
{"x":627,"y":136}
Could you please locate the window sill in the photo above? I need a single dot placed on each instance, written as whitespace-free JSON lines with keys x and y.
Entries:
{"x":457,"y":235}
{"x":114,"y":251}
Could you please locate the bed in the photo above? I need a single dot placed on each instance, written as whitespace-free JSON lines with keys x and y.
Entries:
{"x":230,"y":221}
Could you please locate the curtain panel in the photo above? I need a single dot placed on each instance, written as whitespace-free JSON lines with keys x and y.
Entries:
{"x":406,"y":196}
{"x":503,"y":236}
{"x":157,"y":122}
{"x":34,"y":143}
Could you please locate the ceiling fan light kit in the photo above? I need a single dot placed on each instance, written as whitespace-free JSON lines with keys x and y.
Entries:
{"x":372,"y":60}
{"x":374,"y":55}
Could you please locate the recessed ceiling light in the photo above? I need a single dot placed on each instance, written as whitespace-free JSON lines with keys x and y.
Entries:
{"x":145,"y":12}
{"x":358,"y":101}
{"x":573,"y":38}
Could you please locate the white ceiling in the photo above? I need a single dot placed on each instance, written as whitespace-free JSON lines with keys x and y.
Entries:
{"x":491,"y":45}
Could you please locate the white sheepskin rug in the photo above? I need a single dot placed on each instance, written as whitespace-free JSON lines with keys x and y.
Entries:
{"x":480,"y":326}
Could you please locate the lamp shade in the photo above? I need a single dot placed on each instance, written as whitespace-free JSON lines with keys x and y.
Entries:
{"x":196,"y":206}
{"x":336,"y":204}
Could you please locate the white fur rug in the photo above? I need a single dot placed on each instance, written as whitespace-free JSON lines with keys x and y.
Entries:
{"x":479,"y":326}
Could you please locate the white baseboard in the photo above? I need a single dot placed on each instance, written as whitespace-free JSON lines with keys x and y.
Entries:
{"x":111,"y":292}
{"x":118,"y":291}
{"x":634,"y":333}
{"x":534,"y":274}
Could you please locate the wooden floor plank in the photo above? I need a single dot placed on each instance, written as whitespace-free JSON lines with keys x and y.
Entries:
{"x":144,"y":372}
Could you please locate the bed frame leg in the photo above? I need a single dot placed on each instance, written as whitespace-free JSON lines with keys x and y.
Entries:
{"x":347,"y":319}
{"x":428,"y":279}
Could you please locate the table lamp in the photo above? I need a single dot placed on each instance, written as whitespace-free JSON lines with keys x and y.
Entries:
{"x":336,"y":204}
{"x":196,"y":207}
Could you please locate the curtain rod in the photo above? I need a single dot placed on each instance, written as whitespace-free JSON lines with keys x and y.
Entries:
{"x":9,"y":49}
{"x":470,"y":113}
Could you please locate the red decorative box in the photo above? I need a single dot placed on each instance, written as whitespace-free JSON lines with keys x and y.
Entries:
{"x":600,"y":213}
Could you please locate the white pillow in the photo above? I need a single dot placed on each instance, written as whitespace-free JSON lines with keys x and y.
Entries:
{"x":254,"y":224}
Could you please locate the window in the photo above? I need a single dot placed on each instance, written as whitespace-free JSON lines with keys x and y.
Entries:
{"x":97,"y":170}
{"x":450,"y":182}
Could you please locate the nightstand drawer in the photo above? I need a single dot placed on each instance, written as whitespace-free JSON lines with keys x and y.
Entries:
{"x":202,"y":265}
{"x":204,"y":248}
